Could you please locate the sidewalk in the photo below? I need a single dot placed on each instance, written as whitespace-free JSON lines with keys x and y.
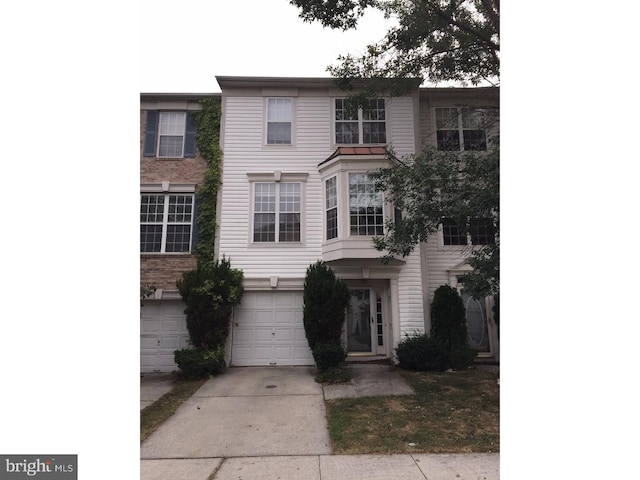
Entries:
{"x":328,"y":467}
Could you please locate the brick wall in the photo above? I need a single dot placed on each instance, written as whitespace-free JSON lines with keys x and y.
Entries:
{"x":163,"y":270}
{"x":179,"y":170}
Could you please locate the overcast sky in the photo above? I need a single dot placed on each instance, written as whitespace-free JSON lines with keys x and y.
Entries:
{"x":184,"y":48}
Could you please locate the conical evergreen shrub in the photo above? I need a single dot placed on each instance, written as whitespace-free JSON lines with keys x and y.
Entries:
{"x":325,"y":300}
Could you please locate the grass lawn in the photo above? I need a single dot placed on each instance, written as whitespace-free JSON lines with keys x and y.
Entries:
{"x":452,"y":412}
{"x":157,"y":413}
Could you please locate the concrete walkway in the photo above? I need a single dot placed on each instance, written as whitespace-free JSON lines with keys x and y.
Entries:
{"x":269,"y":423}
{"x":328,"y":467}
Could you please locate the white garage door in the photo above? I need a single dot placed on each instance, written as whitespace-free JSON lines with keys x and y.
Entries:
{"x":268,"y":330}
{"x":163,"y":329}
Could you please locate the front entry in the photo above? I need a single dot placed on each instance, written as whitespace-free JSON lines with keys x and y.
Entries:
{"x":365,"y":327}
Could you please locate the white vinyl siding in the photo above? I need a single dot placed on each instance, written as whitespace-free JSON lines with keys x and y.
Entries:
{"x":246,"y":153}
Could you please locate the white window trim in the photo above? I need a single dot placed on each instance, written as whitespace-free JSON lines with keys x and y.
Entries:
{"x":184,"y":134}
{"x":167,"y":189}
{"x":277,"y":177}
{"x":360,"y":125}
{"x":265,"y":122}
{"x":326,"y":210}
{"x":347,"y":210}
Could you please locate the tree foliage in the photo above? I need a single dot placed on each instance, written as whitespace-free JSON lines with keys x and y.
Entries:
{"x":435,"y":185}
{"x":441,"y":40}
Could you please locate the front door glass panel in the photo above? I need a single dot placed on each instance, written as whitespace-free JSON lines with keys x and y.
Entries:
{"x":359,"y":321}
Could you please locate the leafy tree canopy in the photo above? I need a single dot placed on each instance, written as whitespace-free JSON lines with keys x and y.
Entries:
{"x":436,"y":185}
{"x":440,"y":40}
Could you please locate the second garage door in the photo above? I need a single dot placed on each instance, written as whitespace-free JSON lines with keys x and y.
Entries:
{"x":268,"y":330}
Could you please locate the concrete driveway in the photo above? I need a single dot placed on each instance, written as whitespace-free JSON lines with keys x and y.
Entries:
{"x":246,"y":412}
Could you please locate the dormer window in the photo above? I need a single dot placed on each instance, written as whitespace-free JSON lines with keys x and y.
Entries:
{"x":360,"y":125}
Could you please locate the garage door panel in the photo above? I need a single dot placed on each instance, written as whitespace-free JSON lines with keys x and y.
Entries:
{"x":264,"y":317}
{"x":242,"y":335}
{"x":174,"y":325}
{"x":286,"y":299}
{"x":262,"y":335}
{"x":163,"y":329}
{"x":300,"y":335}
{"x":278,"y":335}
{"x":263,"y":354}
{"x":284,"y":335}
{"x":287,"y":318}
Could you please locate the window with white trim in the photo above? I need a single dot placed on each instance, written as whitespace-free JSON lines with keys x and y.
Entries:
{"x":276,"y":212}
{"x":171,"y":130}
{"x":331,"y":207}
{"x":461,"y":128}
{"x":279,"y":121}
{"x":166,"y":221}
{"x":362,"y":125}
{"x":366,"y":204}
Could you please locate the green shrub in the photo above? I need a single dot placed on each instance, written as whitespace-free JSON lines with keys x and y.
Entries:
{"x":328,"y":355}
{"x":423,"y":353}
{"x":461,"y":358}
{"x":448,"y":317}
{"x":325,"y":301}
{"x":200,"y":362}
{"x":210,"y":292}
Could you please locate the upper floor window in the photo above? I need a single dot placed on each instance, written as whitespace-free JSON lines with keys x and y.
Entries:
{"x":331,"y":207}
{"x":478,"y":231}
{"x":279,"y":119}
{"x":362,"y":125}
{"x":461,"y":128}
{"x":365,"y":206}
{"x":169,"y":134}
{"x":277,"y":211}
{"x":166,"y":222}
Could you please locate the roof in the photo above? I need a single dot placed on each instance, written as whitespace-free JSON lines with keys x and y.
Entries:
{"x":178,"y":96}
{"x":345,"y":151}
{"x":291,"y":82}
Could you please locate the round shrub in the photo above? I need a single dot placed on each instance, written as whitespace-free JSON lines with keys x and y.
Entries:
{"x":200,"y":362}
{"x":423,"y":353}
{"x":328,"y":355}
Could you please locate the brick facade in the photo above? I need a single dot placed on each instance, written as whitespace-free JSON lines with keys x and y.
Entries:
{"x":178,"y":170}
{"x":163,"y":270}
